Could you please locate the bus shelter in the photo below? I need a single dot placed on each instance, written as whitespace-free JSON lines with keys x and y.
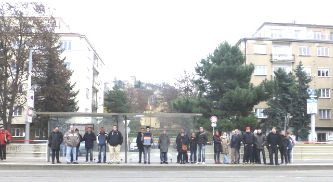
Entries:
{"x":129,"y":124}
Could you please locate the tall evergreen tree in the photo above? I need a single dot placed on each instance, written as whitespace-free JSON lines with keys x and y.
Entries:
{"x":115,"y":101}
{"x":301,"y":120}
{"x":224,"y":87}
{"x":282,"y":101}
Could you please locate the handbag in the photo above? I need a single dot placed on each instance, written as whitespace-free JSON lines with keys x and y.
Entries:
{"x":6,"y":140}
{"x":184,"y":147}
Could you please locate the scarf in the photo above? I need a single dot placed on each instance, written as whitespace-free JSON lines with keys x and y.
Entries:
{"x":218,"y":135}
{"x":224,"y":136}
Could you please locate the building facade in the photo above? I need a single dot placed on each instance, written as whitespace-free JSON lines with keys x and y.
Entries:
{"x":285,"y":45}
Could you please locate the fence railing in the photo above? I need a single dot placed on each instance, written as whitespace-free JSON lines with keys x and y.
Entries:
{"x":33,"y":149}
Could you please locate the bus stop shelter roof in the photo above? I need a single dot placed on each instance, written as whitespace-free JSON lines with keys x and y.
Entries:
{"x":80,"y":114}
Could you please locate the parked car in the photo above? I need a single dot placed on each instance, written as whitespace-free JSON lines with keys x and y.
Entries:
{"x":133,"y":146}
{"x":330,"y":138}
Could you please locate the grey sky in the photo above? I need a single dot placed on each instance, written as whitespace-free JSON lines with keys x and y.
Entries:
{"x":155,"y":40}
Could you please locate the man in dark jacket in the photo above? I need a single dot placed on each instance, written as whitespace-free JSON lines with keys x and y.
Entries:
{"x":55,"y":139}
{"x":102,"y":139}
{"x":139,"y":143}
{"x":202,"y":141}
{"x":234,"y":147}
{"x":89,"y":137}
{"x":239,"y":136}
{"x":283,"y":147}
{"x":248,"y":141}
{"x":115,"y":139}
{"x":260,"y":143}
{"x":273,"y":141}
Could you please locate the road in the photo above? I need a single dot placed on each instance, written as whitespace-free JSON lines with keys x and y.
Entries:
{"x":161,"y":176}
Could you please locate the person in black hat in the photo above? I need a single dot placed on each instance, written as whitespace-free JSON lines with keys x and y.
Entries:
{"x":55,"y":139}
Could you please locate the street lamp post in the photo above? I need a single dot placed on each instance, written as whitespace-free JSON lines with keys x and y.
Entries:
{"x":27,"y":123}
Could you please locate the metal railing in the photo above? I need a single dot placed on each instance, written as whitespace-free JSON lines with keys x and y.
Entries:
{"x":35,"y":149}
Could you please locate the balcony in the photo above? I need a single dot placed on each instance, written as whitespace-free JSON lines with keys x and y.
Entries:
{"x":282,"y":58}
{"x":96,"y":85}
{"x":94,"y":104}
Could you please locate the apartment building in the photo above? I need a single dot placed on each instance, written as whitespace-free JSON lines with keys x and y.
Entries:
{"x":87,"y":66}
{"x":284,"y":45}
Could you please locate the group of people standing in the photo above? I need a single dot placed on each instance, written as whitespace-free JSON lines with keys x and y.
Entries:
{"x":73,"y":139}
{"x":255,"y":144}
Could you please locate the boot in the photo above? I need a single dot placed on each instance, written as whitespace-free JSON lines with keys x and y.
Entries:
{"x":216,"y":162}
{"x":219,"y":162}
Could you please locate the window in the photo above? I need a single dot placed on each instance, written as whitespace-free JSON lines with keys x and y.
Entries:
{"x":317,"y":35}
{"x":260,"y":70}
{"x":37,"y":133}
{"x":87,"y":93}
{"x":66,"y":45}
{"x":259,"y":49}
{"x":324,"y":114}
{"x":307,"y":70}
{"x":304,"y":51}
{"x":331,"y":36}
{"x":259,"y":113}
{"x":322,"y":51}
{"x":297,"y":34}
{"x":17,"y":132}
{"x":277,"y":33}
{"x":323,"y":72}
{"x":17,"y":111}
{"x":324,"y":93}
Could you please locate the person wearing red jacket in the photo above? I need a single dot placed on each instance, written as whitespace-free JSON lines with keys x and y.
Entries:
{"x":5,"y":137}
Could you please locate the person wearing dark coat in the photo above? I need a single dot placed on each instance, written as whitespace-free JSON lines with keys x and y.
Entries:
{"x":182,"y":130}
{"x":217,"y":147}
{"x":102,"y":139}
{"x":89,"y":137}
{"x":55,"y":139}
{"x":248,"y":141}
{"x":284,"y":147}
{"x":183,"y":140}
{"x":273,"y":142}
{"x":139,"y":143}
{"x":234,"y":147}
{"x":260,"y":143}
{"x":202,"y":141}
{"x":115,"y":140}
{"x":193,"y":148}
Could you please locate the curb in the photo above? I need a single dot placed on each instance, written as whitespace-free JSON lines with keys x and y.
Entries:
{"x":158,"y":167}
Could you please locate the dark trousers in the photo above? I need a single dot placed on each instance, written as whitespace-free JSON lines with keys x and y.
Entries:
{"x":183,"y":156}
{"x":89,"y":150}
{"x":55,"y":154}
{"x":2,"y":152}
{"x":289,"y":155}
{"x":193,"y":157}
{"x":263,"y":155}
{"x":140,"y":153}
{"x":273,"y":149}
{"x":283,"y":152}
{"x":77,"y":153}
{"x":248,"y":153}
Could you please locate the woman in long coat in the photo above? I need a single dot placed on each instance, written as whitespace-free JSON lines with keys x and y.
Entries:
{"x":183,"y":140}
{"x":217,"y":147}
{"x":225,"y":147}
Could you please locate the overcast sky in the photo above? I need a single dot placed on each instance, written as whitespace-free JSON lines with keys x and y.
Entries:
{"x":155,"y":40}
